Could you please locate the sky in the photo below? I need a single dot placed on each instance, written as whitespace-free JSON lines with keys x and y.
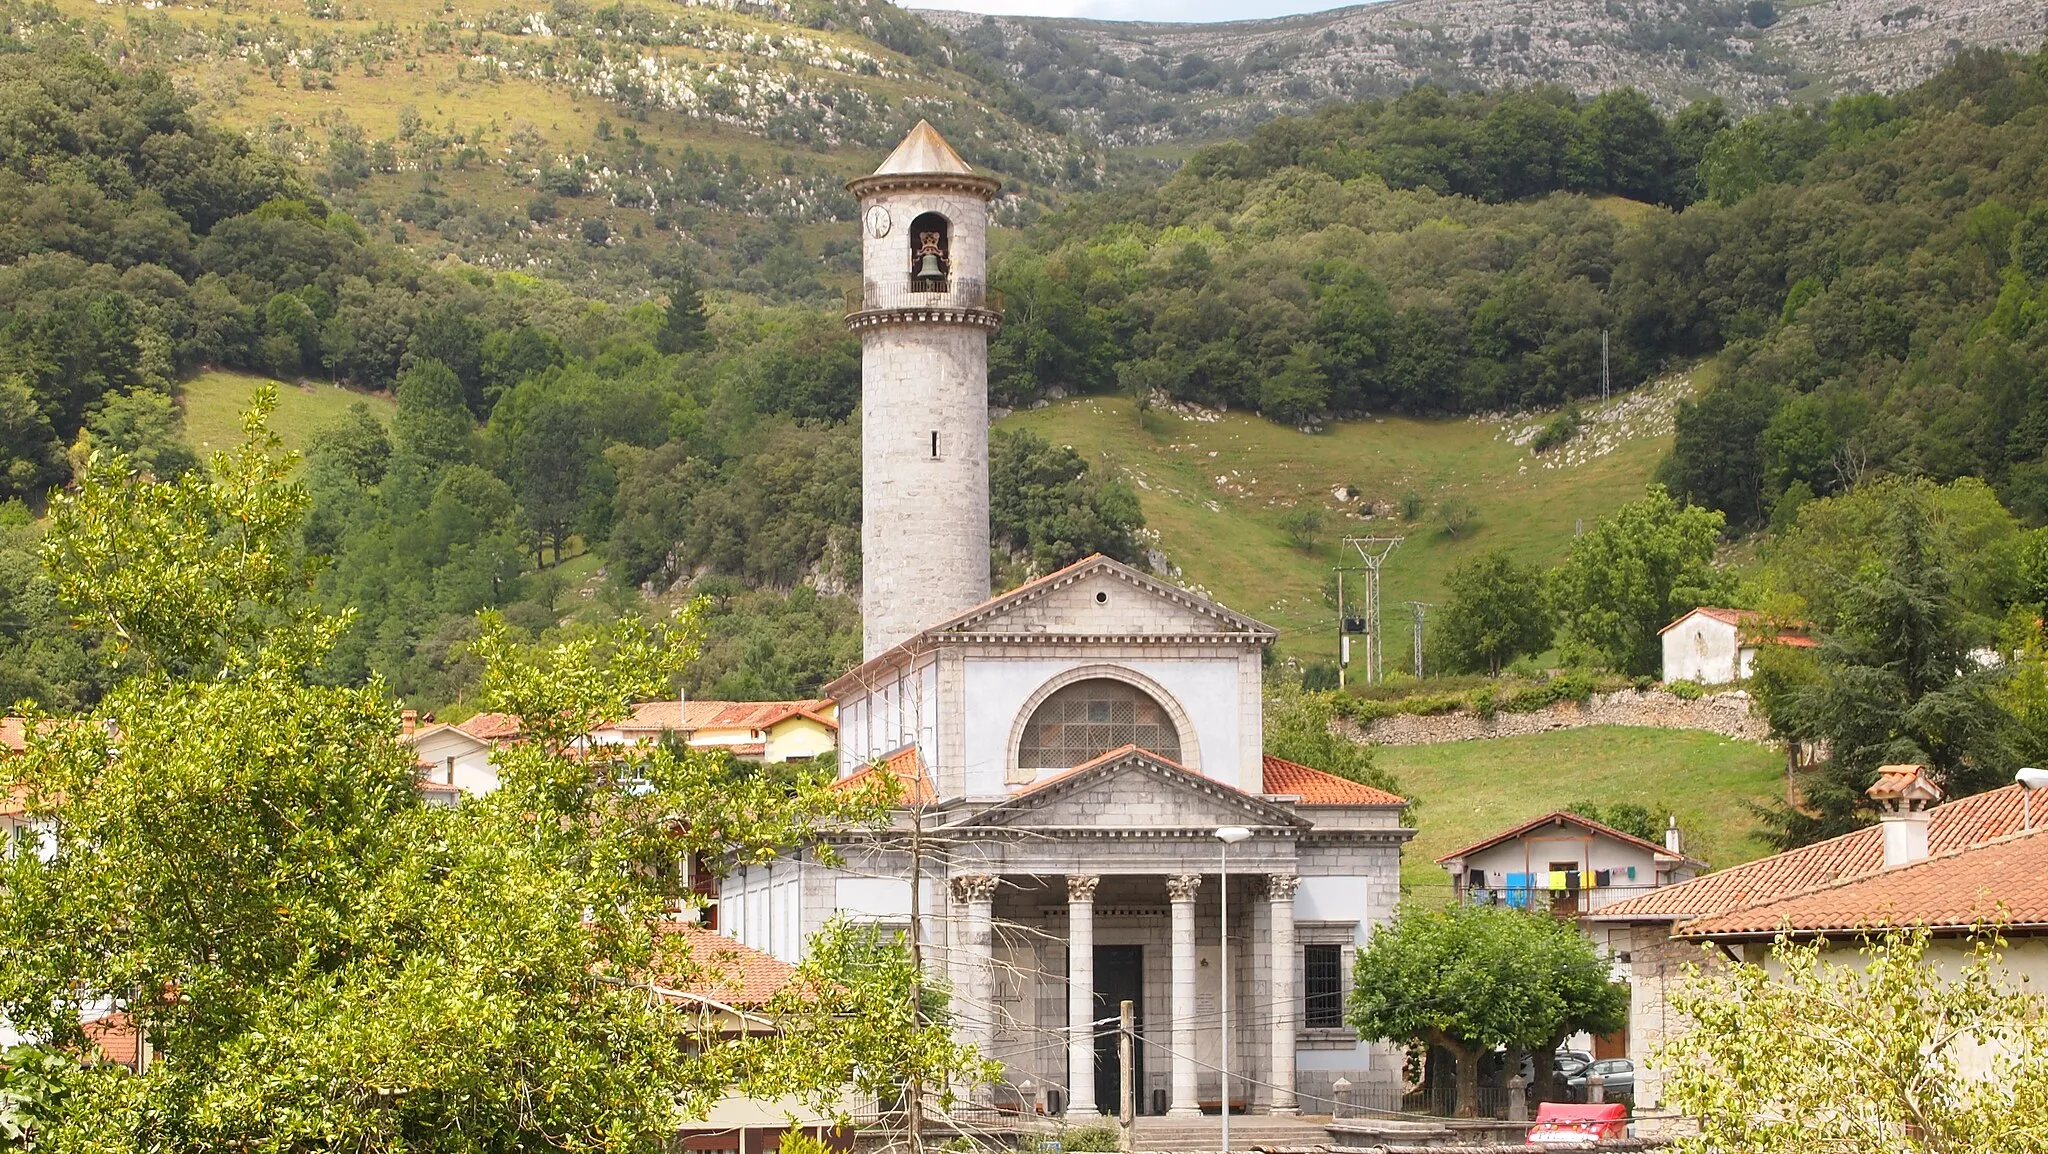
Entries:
{"x":1190,"y":10}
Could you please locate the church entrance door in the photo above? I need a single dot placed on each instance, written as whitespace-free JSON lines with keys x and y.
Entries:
{"x":1119,"y":978}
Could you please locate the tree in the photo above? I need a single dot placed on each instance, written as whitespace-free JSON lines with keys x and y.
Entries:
{"x":1496,"y":613}
{"x":433,"y":421}
{"x":1468,"y":978}
{"x":241,"y":862}
{"x":684,"y":325}
{"x":1298,"y":730}
{"x":1629,"y":575}
{"x":1046,"y":503}
{"x":1805,"y":1055}
{"x":1896,"y":683}
{"x":1303,"y":525}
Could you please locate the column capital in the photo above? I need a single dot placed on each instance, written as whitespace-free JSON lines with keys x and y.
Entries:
{"x":1081,"y":887}
{"x":1182,"y":887}
{"x":974,"y":887}
{"x":1280,"y":887}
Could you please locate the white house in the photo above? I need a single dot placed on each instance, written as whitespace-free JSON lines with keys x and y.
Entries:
{"x":1566,"y":863}
{"x":1714,"y":646}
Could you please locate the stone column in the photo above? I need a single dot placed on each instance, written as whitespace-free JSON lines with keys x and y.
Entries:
{"x":1280,"y":892}
{"x":1081,"y":995}
{"x":974,"y":966}
{"x":1180,"y":890}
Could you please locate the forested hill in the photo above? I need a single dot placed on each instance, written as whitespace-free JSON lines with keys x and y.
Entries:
{"x":1139,"y":82}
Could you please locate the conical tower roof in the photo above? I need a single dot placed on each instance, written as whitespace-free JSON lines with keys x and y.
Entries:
{"x":923,"y":156}
{"x":924,"y":150}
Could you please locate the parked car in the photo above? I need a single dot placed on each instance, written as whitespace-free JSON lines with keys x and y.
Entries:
{"x":1570,"y":1062}
{"x":1618,"y":1076}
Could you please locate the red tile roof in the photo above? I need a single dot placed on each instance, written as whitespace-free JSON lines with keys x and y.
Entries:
{"x":723,"y":970}
{"x":115,"y":1037}
{"x":1314,"y":787}
{"x":14,"y":733}
{"x":1563,"y":817}
{"x":2003,"y":882}
{"x":906,"y":767}
{"x":1951,"y":826}
{"x":668,"y":716}
{"x":491,"y":726}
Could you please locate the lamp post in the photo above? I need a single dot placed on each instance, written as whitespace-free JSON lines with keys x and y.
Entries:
{"x":1229,"y":835}
{"x":2030,"y":779}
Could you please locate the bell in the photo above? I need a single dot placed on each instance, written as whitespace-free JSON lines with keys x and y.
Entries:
{"x":928,"y":267}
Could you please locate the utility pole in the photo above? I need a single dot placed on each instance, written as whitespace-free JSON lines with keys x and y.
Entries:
{"x":1343,"y":637}
{"x":1418,"y":607}
{"x":913,"y":1116}
{"x":1374,"y":552}
{"x":1127,"y":1088}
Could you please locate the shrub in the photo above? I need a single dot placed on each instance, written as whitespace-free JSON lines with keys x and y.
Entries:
{"x":1559,"y":430}
{"x":1090,"y":1136}
{"x":1686,"y":690}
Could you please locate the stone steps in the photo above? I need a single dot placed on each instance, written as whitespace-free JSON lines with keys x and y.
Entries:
{"x":1246,"y":1131}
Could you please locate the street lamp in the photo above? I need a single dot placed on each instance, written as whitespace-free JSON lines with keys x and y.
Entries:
{"x":1229,"y":835}
{"x":2030,"y":779}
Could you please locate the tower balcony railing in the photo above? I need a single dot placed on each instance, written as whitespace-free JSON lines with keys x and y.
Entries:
{"x":957,"y":293}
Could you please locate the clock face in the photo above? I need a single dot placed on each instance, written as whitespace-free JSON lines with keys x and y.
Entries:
{"x":878,"y":222}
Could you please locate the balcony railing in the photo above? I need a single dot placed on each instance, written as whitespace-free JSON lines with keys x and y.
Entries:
{"x":957,"y":294}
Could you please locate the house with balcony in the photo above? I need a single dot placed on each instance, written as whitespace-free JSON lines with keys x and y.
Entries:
{"x":1568,"y":864}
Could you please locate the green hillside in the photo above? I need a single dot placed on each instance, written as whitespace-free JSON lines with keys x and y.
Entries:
{"x":1469,"y":789}
{"x":215,"y":400}
{"x":1216,"y":488}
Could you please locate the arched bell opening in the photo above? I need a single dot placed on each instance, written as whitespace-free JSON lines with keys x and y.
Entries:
{"x":931,"y":253}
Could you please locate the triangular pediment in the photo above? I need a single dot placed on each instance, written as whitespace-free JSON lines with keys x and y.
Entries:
{"x":1132,"y":789}
{"x":1100,"y":597}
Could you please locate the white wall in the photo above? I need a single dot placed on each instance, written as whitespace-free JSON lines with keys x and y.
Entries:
{"x":1701,"y":648}
{"x":474,"y":774}
{"x":1534,"y":852}
{"x":762,"y":907}
{"x":1207,"y":691}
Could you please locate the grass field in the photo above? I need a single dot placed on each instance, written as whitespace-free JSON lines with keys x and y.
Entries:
{"x":1469,"y":789}
{"x":1216,"y":487}
{"x":214,"y":402}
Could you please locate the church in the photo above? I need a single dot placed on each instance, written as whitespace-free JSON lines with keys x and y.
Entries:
{"x":1070,"y":750}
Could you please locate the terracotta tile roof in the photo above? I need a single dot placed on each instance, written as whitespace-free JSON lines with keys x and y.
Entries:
{"x":1563,"y":817}
{"x":115,"y":1037}
{"x":723,"y":970}
{"x":2003,"y":881}
{"x":14,"y":734}
{"x":1314,"y":787}
{"x":906,"y":767}
{"x":689,"y":716}
{"x":491,"y":726}
{"x":14,"y":802}
{"x":1903,"y":781}
{"x":1951,"y":826}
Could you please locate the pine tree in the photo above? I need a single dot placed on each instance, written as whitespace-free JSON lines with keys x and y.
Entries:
{"x":684,"y":326}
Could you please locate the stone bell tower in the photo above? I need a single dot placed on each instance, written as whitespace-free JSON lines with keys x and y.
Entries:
{"x":924,"y":317}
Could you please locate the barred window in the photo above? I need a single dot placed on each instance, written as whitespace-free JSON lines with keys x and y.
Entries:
{"x":1323,"y":985}
{"x":1090,"y":718}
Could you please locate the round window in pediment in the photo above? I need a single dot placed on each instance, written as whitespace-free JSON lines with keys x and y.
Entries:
{"x":1089,"y":718}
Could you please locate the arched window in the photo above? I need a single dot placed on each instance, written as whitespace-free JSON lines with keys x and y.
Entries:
{"x":1090,"y":718}
{"x":931,"y":253}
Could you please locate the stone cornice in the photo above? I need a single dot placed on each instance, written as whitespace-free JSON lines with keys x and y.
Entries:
{"x":984,"y":187}
{"x":925,"y":315}
{"x":1203,"y":835}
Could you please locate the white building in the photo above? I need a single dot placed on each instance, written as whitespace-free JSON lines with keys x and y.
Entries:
{"x":1713,"y":646}
{"x":1071,"y":748}
{"x":1566,"y":863}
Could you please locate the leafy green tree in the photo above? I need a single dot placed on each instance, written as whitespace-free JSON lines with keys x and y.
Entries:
{"x":146,"y":426}
{"x":1048,"y":505}
{"x":248,"y":871}
{"x":1303,"y":525}
{"x":1626,"y":816}
{"x":354,"y":449}
{"x":1495,"y":614}
{"x":1469,"y":978}
{"x":1893,"y":1050}
{"x":433,"y":423}
{"x":1632,"y":145}
{"x":1630,"y":574}
{"x":1897,"y":683}
{"x":1298,"y":729}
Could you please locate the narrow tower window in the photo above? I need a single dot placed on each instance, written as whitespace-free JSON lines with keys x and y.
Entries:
{"x":935,"y":444}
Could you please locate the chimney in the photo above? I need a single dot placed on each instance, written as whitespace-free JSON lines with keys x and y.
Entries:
{"x":1673,"y":840}
{"x":408,"y":721}
{"x":1904,"y":796}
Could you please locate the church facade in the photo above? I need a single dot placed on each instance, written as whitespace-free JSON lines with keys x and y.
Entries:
{"x":1069,"y":750}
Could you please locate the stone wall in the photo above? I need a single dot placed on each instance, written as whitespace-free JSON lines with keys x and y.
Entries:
{"x":1727,"y":714}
